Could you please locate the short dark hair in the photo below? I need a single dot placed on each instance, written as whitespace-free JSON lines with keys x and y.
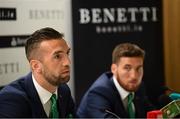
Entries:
{"x":127,"y":50}
{"x":37,"y":37}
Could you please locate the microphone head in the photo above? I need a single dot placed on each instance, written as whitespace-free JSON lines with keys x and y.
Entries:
{"x":174,"y":96}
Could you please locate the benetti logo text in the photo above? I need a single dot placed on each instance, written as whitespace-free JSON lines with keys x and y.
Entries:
{"x":108,"y":20}
{"x":7,"y":14}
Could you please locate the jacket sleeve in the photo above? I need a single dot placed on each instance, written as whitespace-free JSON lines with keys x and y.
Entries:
{"x":13,"y":105}
{"x":98,"y":103}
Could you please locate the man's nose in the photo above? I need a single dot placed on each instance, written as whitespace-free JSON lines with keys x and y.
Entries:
{"x":66,"y":61}
{"x":134,"y":74}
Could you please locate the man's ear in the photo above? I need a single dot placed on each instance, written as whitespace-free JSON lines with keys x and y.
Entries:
{"x":113,"y":68}
{"x":36,"y":66}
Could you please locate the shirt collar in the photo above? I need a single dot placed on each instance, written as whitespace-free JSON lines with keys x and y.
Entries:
{"x":44,"y":94}
{"x":122,"y":92}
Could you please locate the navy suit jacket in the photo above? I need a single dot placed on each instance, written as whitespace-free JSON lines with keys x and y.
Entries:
{"x":20,"y":99}
{"x":103,"y":97}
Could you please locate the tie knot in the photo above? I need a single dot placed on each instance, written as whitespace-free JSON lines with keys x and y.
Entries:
{"x":130,"y":97}
{"x":53,"y":97}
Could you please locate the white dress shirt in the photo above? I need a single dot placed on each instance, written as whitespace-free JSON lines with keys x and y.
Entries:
{"x":44,"y":96}
{"x":123,"y":93}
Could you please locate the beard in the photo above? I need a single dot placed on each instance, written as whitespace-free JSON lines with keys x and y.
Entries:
{"x":126,"y":86}
{"x":55,"y":80}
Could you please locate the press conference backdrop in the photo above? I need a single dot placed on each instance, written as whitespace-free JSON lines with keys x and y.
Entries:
{"x":99,"y":25}
{"x":19,"y":19}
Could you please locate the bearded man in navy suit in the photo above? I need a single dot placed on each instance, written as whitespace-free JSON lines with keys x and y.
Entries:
{"x":108,"y":97}
{"x":29,"y":96}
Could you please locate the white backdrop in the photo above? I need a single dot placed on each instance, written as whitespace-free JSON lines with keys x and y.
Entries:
{"x":30,"y":16}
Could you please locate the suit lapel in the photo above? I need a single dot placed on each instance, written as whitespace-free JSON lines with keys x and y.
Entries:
{"x":138,"y":106}
{"x":60,"y":105}
{"x":36,"y":105}
{"x":120,"y":110}
{"x":119,"y":107}
{"x":62,"y":102}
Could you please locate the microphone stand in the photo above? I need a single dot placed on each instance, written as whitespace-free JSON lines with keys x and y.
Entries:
{"x":115,"y":115}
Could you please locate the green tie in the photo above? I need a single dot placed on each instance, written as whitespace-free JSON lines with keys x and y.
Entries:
{"x":53,"y":110}
{"x":130,"y":106}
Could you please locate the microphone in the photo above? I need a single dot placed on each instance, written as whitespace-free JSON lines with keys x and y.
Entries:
{"x":109,"y":112}
{"x":174,"y":96}
{"x":171,"y":110}
{"x":155,"y":114}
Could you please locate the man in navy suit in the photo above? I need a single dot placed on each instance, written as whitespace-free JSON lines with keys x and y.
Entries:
{"x":29,"y":96}
{"x":108,"y":96}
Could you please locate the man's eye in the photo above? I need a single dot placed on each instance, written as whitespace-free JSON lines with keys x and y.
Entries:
{"x":127,"y":68}
{"x":57,"y":56}
{"x":139,"y":69}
